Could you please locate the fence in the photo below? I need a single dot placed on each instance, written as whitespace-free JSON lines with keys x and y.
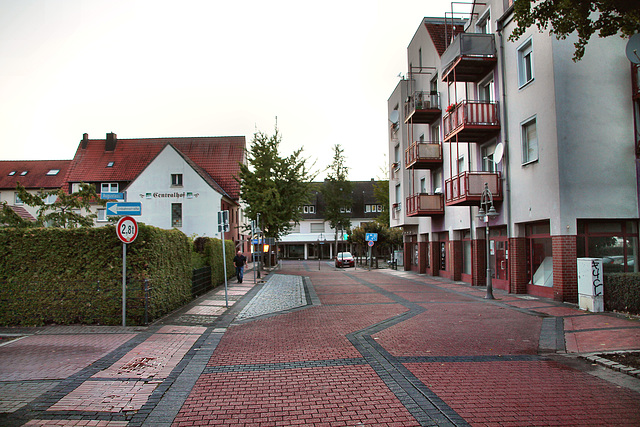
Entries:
{"x":201,"y":281}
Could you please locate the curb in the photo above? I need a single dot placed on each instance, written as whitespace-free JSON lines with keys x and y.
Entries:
{"x":595,"y":358}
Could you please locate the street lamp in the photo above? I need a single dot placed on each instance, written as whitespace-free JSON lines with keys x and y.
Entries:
{"x":321,"y":240}
{"x":486,"y":212}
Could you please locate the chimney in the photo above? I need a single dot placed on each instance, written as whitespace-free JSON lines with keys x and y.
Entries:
{"x":85,"y":141}
{"x":111,"y":142}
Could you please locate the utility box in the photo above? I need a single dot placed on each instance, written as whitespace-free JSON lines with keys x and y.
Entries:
{"x":590,"y":284}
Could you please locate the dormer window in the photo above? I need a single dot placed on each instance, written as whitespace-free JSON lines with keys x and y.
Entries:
{"x":110,"y":164}
{"x":53,"y":172}
{"x":23,"y":173}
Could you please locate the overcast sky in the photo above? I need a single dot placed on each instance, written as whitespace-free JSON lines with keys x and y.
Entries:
{"x":145,"y":69}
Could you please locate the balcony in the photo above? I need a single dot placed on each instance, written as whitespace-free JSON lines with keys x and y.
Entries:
{"x":466,"y":188}
{"x":469,"y":57}
{"x":422,"y":108}
{"x":472,"y":121}
{"x":423,"y":204}
{"x":423,"y":155}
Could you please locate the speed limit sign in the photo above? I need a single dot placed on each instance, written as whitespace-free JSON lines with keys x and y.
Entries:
{"x":127,"y":229}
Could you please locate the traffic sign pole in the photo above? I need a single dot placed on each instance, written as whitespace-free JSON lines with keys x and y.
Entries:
{"x":124,"y":284}
{"x":127,"y":231}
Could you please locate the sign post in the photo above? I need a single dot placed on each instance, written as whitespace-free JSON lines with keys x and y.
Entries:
{"x":127,"y":231}
{"x":371,"y":238}
{"x":223,"y":225}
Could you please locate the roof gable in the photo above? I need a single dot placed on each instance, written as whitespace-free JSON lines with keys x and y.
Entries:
{"x":217,"y":157}
{"x":442,"y":31}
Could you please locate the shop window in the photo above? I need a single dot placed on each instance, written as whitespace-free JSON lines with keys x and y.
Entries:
{"x":616,"y":242}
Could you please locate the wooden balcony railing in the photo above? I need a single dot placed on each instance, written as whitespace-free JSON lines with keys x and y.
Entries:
{"x":466,"y":188}
{"x":472,"y":121}
{"x":423,"y":204}
{"x":423,"y":155}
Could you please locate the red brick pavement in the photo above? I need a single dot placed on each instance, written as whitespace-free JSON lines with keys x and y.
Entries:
{"x":479,"y":357}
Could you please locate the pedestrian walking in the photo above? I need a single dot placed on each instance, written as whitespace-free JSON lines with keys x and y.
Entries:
{"x":239,"y":261}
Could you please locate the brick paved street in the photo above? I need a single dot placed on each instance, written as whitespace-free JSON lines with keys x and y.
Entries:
{"x":369,"y":348}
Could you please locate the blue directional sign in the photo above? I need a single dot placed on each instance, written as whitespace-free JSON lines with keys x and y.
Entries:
{"x":124,"y":208}
{"x":371,"y":237}
{"x":112,"y":196}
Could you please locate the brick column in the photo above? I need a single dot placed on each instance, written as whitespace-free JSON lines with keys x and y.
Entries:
{"x":518,"y":265}
{"x":434,"y":253}
{"x":565,"y":269}
{"x":407,"y":255}
{"x":422,"y":257}
{"x":479,"y":272}
{"x":455,"y":259}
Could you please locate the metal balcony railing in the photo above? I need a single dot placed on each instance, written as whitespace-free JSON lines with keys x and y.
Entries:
{"x":465,"y":189}
{"x":423,"y":155}
{"x":422,"y":107}
{"x":471,"y":55}
{"x":423,"y":204}
{"x":474,"y":120}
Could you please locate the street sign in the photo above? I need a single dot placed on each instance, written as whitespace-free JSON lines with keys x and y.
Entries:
{"x":124,"y":208}
{"x":371,"y":237}
{"x":112,"y":196}
{"x":370,"y":243}
{"x":223,"y":221}
{"x":127,"y":229}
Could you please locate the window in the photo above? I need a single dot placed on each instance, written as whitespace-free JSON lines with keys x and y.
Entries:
{"x":423,"y":185}
{"x":17,"y":200}
{"x":420,"y":58}
{"x":398,"y":197}
{"x":396,"y":155}
{"x":23,"y":173}
{"x":110,"y":164}
{"x":102,"y":215}
{"x":525,"y":63}
{"x":176,"y":214}
{"x":345,"y":210}
{"x":176,"y":180}
{"x":529,"y":142}
{"x":317,"y":227}
{"x":50,"y":199}
{"x":53,"y":172}
{"x":309,"y":209}
{"x":436,"y":182}
{"x":372,"y":208}
{"x":484,"y":24}
{"x":486,"y":90}
{"x":461,"y":165}
{"x":109,"y":187}
{"x":12,"y":173}
{"x":488,"y":164}
{"x":435,"y":133}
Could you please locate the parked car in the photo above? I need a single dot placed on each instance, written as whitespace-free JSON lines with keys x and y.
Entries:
{"x":345,"y":259}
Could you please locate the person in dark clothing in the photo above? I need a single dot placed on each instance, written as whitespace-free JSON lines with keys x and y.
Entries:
{"x":239,"y":261}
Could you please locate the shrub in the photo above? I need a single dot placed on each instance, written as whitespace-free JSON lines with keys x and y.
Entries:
{"x":214,"y":255}
{"x":622,"y":292}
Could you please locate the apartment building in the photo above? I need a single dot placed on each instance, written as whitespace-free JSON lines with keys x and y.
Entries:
{"x":313,"y":236}
{"x":554,"y":141}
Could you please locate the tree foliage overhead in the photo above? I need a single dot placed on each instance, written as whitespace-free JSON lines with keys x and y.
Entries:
{"x":604,"y":17}
{"x":381,"y":193}
{"x":65,"y":212}
{"x":272,"y":186}
{"x":337,"y":193}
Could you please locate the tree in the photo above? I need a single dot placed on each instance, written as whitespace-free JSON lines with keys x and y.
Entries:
{"x":64,"y":212}
{"x":388,"y":238}
{"x":606,"y":17}
{"x":272,"y":186}
{"x":337,"y":193}
{"x":381,"y":193}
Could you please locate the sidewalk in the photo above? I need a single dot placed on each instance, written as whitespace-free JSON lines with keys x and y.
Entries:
{"x":346,"y":347}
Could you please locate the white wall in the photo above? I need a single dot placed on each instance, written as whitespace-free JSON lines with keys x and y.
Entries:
{"x":199,"y":212}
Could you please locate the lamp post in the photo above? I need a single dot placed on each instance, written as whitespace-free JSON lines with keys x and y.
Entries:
{"x":486,"y":212}
{"x":321,"y":240}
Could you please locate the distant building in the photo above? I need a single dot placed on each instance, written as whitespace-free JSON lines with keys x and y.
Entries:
{"x":34,"y":175}
{"x":181,"y":183}
{"x":555,"y":141}
{"x":304,"y":242}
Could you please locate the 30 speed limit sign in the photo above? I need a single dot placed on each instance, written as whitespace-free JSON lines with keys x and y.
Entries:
{"x":127,"y":229}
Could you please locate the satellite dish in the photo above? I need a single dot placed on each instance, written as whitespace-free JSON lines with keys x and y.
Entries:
{"x":498,"y":153}
{"x":633,"y":49}
{"x":393,"y":117}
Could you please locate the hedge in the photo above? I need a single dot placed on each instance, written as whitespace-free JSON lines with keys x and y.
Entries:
{"x":622,"y":292}
{"x":65,"y":276}
{"x":213,"y":250}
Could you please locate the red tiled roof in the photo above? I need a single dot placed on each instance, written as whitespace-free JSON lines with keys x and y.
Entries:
{"x":219,"y":157}
{"x":442,"y":35}
{"x":22,"y":213}
{"x":36,"y":176}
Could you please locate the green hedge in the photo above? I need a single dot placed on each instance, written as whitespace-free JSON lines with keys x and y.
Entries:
{"x":53,"y":275}
{"x":214,"y":255}
{"x":622,"y":292}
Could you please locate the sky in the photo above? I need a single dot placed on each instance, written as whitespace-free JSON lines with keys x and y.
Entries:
{"x":322,"y":71}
